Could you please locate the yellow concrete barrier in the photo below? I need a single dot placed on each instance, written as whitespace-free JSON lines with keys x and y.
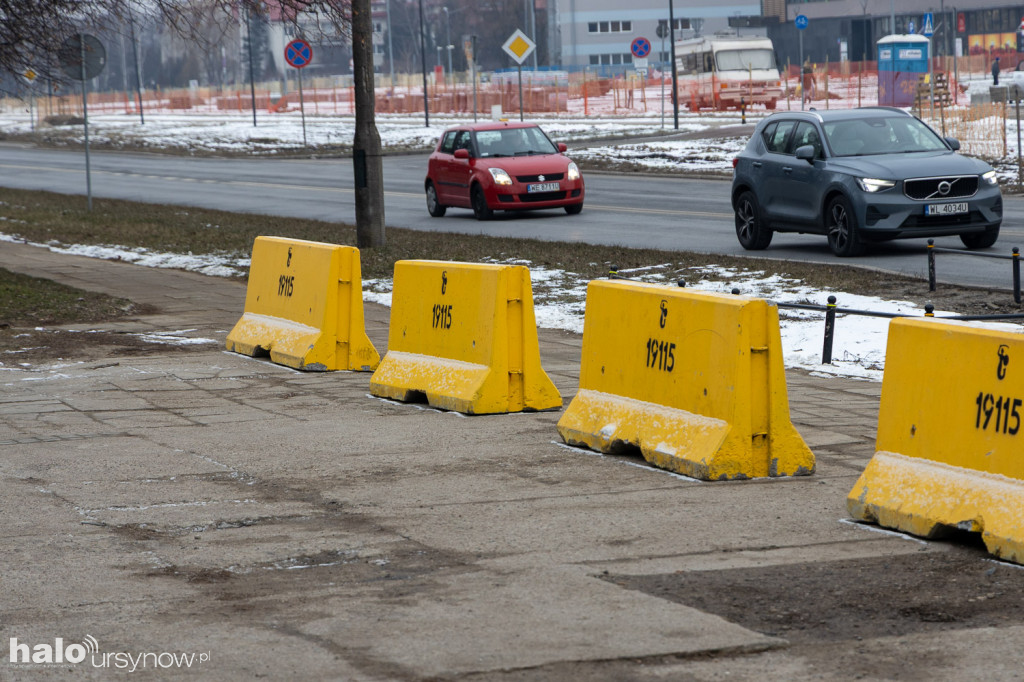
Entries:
{"x":464,"y":336}
{"x":304,"y":305}
{"x":695,"y":380}
{"x":950,"y":447}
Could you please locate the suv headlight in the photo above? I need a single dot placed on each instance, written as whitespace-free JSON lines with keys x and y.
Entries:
{"x":990,"y":177}
{"x":875,"y":185}
{"x":500,"y":176}
{"x":574,"y":171}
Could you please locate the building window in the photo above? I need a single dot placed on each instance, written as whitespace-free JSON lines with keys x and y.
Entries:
{"x":595,"y":59}
{"x":610,"y":27}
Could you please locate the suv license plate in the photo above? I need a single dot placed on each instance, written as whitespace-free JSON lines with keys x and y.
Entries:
{"x":945,"y":209}
{"x":542,"y":187}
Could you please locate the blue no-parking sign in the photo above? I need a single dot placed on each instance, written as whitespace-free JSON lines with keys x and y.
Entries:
{"x":640,"y":48}
{"x":298,"y":53}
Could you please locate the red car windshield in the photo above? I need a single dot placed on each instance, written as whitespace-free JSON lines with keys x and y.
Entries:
{"x":513,"y":142}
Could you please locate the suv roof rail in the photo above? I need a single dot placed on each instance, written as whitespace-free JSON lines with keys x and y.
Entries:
{"x":885,"y":108}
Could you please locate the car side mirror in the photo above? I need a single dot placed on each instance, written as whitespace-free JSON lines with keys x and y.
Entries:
{"x":562,"y":147}
{"x":953,"y":143}
{"x":806,"y":153}
{"x":461,"y":153}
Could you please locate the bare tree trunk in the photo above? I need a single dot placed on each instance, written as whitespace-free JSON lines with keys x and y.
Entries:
{"x":366,"y":151}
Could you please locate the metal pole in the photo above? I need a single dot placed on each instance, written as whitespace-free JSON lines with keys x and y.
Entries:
{"x":533,"y":30}
{"x":391,"y":52}
{"x":124,"y":68}
{"x":302,"y":108}
{"x":423,"y":64}
{"x":663,"y":83}
{"x":520,"y":91}
{"x":803,"y":80}
{"x":892,"y":52}
{"x":448,"y":34}
{"x":675,"y":76}
{"x":956,"y":59}
{"x":252,"y":73}
{"x":931,"y":265}
{"x":830,"y":331}
{"x":473,"y":73}
{"x":1016,"y":275}
{"x":138,"y":72}
{"x":931,"y":81}
{"x":85,"y":117}
{"x":1017,"y":96}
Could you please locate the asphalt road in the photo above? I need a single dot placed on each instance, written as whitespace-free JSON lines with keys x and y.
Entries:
{"x":632,"y":210}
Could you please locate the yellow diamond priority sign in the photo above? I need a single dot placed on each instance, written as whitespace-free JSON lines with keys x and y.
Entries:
{"x":519,"y":46}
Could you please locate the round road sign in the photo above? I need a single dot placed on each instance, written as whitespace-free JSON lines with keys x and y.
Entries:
{"x":72,"y":51}
{"x":641,"y":47}
{"x":801,"y":21}
{"x":298,"y":53}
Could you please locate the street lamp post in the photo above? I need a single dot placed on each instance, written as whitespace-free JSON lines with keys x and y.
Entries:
{"x":448,"y":36}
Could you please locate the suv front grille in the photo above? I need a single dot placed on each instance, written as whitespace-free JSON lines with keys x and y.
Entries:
{"x":931,"y":189}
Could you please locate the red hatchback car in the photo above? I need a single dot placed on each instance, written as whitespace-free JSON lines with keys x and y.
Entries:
{"x":501,"y":166}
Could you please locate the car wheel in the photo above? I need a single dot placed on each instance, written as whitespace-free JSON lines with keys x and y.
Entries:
{"x":751,"y":230}
{"x":574,"y":209}
{"x":433,"y":207}
{"x":479,"y":202}
{"x":841,"y":227}
{"x":981,"y":240}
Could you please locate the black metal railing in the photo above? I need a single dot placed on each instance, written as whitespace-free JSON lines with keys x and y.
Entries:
{"x":1015,"y":257}
{"x":832,"y":309}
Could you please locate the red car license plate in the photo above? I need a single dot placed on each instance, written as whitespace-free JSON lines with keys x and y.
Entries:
{"x":542,"y":187}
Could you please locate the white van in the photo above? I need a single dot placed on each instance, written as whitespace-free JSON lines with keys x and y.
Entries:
{"x":723,"y":72}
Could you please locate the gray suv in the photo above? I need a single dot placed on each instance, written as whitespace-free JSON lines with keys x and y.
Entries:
{"x":858,"y":176}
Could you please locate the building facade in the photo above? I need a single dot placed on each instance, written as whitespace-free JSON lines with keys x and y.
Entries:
{"x":597,"y":34}
{"x":851,"y":29}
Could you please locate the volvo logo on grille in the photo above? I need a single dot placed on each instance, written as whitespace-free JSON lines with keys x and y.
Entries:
{"x":540,"y":178}
{"x":945,"y":187}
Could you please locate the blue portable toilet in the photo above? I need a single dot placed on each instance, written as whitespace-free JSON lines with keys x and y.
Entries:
{"x":902,"y":59}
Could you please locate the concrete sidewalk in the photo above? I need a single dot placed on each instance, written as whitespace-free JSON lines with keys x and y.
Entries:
{"x":287,"y":524}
